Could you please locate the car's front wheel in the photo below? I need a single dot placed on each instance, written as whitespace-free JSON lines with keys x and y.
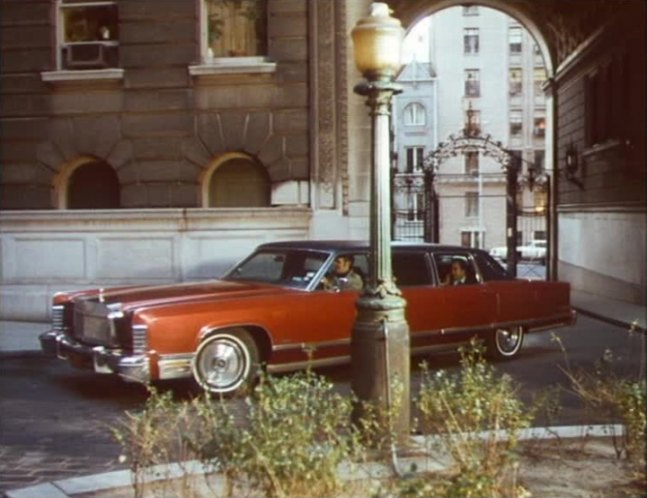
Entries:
{"x":505,"y":342}
{"x":226,"y":362}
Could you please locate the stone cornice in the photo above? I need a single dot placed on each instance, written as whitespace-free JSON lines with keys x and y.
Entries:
{"x":153,"y":219}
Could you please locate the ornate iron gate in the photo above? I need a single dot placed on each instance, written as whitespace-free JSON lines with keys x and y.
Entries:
{"x":418,"y":209}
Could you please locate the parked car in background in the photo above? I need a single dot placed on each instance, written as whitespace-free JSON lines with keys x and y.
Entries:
{"x":276,"y":309}
{"x":534,"y":251}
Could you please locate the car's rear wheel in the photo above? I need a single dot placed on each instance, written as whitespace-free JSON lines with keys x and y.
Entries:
{"x":226,"y":362}
{"x":505,"y":342}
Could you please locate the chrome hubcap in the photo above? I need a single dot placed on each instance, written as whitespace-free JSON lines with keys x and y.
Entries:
{"x":223,"y":364}
{"x":508,"y":339}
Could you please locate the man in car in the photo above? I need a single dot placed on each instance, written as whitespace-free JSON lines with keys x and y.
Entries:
{"x":458,"y":273}
{"x":343,"y":277}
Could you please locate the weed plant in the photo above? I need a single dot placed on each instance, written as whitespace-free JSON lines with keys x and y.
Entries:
{"x":475,"y":416}
{"x":289,"y":441}
{"x":620,"y":398}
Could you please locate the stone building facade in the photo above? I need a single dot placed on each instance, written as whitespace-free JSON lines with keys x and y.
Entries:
{"x":137,"y":146}
{"x":161,"y":140}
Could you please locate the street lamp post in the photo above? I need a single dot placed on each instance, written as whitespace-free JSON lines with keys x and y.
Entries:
{"x":380,"y":336}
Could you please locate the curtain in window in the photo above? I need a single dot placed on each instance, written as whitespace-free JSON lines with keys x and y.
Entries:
{"x":237,"y":28}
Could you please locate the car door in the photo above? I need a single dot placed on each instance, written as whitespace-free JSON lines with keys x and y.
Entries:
{"x":516,"y":298}
{"x":317,"y":324}
{"x":465,"y":308}
{"x":413,"y":276}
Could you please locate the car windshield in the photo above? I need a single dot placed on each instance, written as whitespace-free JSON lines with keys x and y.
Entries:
{"x":289,"y":267}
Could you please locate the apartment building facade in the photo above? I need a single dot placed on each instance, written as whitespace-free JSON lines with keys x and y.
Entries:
{"x":489,"y":72}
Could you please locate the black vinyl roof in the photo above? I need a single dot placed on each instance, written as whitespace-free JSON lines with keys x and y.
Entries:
{"x":355,"y":245}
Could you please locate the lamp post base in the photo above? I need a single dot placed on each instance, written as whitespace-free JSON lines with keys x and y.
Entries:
{"x":381,"y":363}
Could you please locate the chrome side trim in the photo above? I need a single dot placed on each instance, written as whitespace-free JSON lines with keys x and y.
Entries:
{"x":344,"y":360}
{"x":206,"y":331}
{"x":175,"y":366}
{"x":314,"y":345}
{"x":435,"y":348}
{"x":300,"y":365}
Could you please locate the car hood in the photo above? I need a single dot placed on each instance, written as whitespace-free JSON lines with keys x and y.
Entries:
{"x":136,"y":297}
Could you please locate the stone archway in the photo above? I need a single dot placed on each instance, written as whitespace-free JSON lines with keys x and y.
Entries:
{"x":235,"y":179}
{"x":86,"y":182}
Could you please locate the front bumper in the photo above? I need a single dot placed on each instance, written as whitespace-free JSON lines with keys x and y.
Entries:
{"x":133,"y":368}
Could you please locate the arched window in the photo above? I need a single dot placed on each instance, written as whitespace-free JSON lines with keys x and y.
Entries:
{"x":415,"y":114}
{"x":94,"y":185}
{"x":239,"y":182}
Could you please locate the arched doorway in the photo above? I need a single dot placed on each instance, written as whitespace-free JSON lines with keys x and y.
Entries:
{"x":94,"y":185}
{"x":236,"y":180}
{"x":87,"y":183}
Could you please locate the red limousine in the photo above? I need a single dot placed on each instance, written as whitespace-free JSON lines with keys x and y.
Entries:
{"x":288,"y":299}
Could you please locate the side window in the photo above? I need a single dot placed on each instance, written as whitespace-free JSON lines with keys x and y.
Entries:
{"x":455,"y":268}
{"x":491,"y":270}
{"x":410,"y":269}
{"x":348,"y":271}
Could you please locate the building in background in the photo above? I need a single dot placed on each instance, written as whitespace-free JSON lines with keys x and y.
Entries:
{"x":485,"y":62}
{"x":414,"y":124}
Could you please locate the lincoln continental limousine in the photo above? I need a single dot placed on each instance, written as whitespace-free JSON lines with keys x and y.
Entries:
{"x":287,"y":306}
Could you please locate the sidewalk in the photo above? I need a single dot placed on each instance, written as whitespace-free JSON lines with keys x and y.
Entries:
{"x":21,"y":337}
{"x":609,"y":310}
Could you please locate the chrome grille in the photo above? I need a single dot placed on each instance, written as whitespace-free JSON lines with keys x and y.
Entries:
{"x":58,"y":318}
{"x":140,"y":339}
{"x":91,"y":323}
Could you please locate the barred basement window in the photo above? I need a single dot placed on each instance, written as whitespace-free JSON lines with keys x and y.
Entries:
{"x":88,"y":35}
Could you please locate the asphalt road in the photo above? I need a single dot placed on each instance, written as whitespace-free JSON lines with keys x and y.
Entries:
{"x":55,"y":421}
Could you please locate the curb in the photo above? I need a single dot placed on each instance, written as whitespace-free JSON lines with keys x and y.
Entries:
{"x":123,"y":479}
{"x":25,"y":353}
{"x":609,"y":320}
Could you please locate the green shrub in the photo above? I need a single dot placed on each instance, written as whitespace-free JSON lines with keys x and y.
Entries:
{"x":288,"y":441}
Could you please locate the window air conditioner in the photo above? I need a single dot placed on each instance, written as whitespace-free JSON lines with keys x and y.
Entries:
{"x":86,"y":56}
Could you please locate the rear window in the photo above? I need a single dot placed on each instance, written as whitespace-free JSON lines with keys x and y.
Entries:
{"x":490,"y":268}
